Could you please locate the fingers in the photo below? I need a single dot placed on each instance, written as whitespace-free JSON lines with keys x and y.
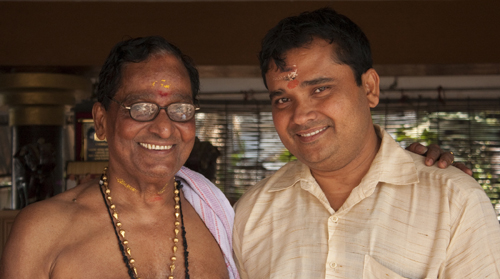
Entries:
{"x":417,"y":148}
{"x":463,"y":167}
{"x":434,"y":153}
{"x":431,"y":153}
{"x":446,"y":159}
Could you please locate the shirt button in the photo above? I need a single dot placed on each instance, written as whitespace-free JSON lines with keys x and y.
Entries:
{"x":333,"y":265}
{"x":334,"y":219}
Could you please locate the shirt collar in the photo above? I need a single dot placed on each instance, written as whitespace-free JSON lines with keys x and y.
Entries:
{"x":292,"y":173}
{"x":392,"y":164}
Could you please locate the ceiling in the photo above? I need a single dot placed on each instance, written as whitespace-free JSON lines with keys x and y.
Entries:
{"x":414,"y":39}
{"x":447,"y":37}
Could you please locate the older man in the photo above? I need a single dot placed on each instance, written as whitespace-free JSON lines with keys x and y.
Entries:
{"x":354,"y":205}
{"x":147,"y":217}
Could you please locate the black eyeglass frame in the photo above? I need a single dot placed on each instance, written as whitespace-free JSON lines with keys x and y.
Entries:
{"x":129,"y":108}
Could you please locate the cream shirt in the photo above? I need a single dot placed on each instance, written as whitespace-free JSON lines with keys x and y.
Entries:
{"x":404,"y":220}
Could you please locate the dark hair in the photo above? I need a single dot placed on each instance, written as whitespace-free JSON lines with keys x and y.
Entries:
{"x":135,"y":51}
{"x":351,"y":44}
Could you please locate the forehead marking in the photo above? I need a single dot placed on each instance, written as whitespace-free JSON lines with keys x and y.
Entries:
{"x":292,"y":84}
{"x":163,"y":93}
{"x":290,"y":76}
{"x":161,"y":84}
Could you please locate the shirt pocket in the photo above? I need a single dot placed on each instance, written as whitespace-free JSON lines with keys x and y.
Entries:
{"x":374,"y":270}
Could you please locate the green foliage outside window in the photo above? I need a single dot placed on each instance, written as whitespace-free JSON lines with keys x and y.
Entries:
{"x":473,"y":137}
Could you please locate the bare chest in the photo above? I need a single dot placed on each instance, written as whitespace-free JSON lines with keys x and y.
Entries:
{"x":93,"y":251}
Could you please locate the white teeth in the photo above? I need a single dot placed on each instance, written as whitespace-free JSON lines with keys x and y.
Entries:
{"x":312,"y":133}
{"x":155,"y":147}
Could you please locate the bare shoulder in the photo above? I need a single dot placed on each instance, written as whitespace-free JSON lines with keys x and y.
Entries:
{"x":53,"y":214}
{"x":40,"y":231}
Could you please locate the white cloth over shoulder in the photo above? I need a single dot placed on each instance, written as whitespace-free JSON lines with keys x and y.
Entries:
{"x":214,"y":209}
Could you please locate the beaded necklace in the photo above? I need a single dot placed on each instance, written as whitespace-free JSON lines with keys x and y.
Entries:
{"x":120,"y":232}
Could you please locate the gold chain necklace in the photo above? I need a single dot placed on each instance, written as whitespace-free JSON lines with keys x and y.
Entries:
{"x":126,"y":251}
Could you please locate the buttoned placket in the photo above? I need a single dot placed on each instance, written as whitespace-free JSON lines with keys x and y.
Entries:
{"x":333,"y":262}
{"x":336,"y":242}
{"x":336,"y":258}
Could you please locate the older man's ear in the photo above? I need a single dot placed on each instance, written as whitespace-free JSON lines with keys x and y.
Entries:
{"x":99,"y":116}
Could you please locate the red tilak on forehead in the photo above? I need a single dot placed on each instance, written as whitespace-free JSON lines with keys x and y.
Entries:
{"x":292,"y":84}
{"x":163,"y":93}
{"x":161,"y":85}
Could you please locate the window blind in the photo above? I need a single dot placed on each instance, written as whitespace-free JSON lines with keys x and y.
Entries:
{"x":245,"y":136}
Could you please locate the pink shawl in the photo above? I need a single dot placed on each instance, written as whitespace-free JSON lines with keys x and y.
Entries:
{"x":214,"y":209}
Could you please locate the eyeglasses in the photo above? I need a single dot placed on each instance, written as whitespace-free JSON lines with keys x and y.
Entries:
{"x":144,"y":111}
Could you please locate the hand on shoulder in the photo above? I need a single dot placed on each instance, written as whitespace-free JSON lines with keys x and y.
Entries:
{"x":433,"y":153}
